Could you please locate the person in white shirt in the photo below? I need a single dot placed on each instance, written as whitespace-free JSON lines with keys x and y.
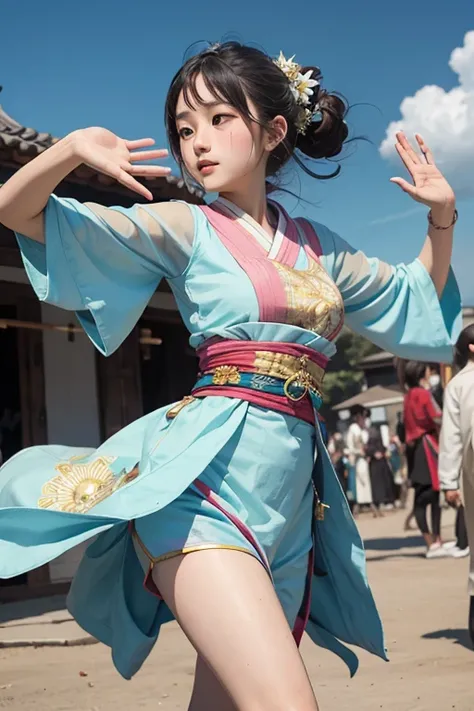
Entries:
{"x":456,"y":454}
{"x":356,"y":442}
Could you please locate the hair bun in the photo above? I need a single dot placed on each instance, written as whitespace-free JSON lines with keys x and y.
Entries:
{"x":325,"y":135}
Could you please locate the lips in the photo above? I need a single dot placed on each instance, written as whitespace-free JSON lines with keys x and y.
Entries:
{"x":205,"y":164}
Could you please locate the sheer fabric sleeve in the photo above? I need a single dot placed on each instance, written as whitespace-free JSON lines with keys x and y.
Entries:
{"x":395,"y":307}
{"x":105,"y":263}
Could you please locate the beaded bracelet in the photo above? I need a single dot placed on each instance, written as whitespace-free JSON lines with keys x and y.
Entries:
{"x":439,"y":227}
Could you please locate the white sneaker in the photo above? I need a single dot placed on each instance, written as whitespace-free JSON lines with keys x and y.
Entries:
{"x":449,"y":545}
{"x":436,"y":551}
{"x":458,"y":552}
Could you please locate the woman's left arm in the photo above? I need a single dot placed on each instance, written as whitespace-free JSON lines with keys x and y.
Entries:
{"x":411,"y":310}
{"x":432,"y":189}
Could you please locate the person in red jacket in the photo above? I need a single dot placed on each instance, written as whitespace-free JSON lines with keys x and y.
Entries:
{"x":422,"y":418}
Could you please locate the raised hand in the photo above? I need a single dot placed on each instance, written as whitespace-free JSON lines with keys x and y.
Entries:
{"x":429,"y":187}
{"x":107,"y":153}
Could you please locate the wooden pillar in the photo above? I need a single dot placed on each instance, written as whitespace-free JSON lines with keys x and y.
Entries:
{"x":119,"y":386}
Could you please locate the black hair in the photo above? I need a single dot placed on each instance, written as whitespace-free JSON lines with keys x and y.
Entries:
{"x":414,"y":372}
{"x":462,"y":353}
{"x":357,"y":410}
{"x":235,"y":73}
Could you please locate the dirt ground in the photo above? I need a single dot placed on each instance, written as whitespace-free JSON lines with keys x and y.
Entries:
{"x":423,"y":604}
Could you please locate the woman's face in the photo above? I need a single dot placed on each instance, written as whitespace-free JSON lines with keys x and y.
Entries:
{"x":219,"y":150}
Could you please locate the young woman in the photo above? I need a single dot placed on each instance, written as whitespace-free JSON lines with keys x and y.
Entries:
{"x":456,"y":453}
{"x":228,"y":500}
{"x":422,"y":417}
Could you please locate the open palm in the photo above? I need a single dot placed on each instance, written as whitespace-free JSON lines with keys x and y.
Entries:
{"x":107,"y":153}
{"x":429,"y":187}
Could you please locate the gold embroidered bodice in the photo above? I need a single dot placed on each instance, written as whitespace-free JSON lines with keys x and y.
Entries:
{"x":313,"y":300}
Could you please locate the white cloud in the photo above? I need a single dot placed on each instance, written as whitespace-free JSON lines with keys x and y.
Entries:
{"x":445,"y":119}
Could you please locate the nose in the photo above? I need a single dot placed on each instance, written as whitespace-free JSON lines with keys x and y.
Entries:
{"x":202,"y":143}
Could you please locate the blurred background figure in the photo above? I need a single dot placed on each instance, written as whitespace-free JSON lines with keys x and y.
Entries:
{"x":456,"y":460}
{"x":422,"y":420}
{"x":381,"y":477}
{"x":434,"y":383}
{"x":336,"y":449}
{"x":356,"y":442}
{"x":397,"y":465}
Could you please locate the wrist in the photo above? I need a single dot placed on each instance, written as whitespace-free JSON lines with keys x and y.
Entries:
{"x":71,"y":148}
{"x":443,"y":214}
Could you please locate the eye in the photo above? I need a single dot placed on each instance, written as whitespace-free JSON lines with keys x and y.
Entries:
{"x":185,"y":132}
{"x":219,"y":118}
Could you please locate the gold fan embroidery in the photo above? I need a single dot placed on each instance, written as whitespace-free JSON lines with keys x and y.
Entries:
{"x":314,"y":301}
{"x":80,"y":486}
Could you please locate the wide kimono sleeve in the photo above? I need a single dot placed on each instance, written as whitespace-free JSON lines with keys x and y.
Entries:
{"x":106,"y":263}
{"x":395,"y":307}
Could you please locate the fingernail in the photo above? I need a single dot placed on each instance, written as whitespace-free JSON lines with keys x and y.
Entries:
{"x":167,"y":170}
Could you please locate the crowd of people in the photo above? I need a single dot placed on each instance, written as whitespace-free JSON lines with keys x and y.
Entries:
{"x":377,"y":466}
{"x":370,"y":464}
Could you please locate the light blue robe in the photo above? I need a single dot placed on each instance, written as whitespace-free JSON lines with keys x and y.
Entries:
{"x":108,"y":276}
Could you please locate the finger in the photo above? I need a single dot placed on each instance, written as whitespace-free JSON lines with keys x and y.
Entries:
{"x":425,"y":150}
{"x":155,"y":171}
{"x":140,"y":143}
{"x":405,"y":186}
{"x":406,"y":145}
{"x":149,"y":155}
{"x":134,"y":185}
{"x":409,"y":164}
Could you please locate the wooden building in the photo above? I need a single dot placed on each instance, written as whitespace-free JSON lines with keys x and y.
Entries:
{"x":54,"y":387}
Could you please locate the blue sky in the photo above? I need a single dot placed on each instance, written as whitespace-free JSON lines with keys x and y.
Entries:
{"x":64,"y":69}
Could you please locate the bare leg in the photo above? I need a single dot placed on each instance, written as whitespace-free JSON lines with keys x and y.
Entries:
{"x":227,"y":607}
{"x":208,"y":691}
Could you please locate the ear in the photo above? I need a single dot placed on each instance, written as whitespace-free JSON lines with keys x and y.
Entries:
{"x":276,"y":133}
{"x":471,"y":347}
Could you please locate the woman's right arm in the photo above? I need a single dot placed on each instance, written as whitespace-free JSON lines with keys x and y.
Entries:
{"x":104,"y":263}
{"x":24,"y":196}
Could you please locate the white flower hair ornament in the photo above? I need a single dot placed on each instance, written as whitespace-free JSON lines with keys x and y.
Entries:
{"x":301,"y":86}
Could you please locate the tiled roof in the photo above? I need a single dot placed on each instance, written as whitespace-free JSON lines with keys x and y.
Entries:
{"x":19,"y":145}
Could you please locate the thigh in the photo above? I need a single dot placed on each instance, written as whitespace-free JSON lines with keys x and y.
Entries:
{"x":226,"y":604}
{"x":208,"y":692}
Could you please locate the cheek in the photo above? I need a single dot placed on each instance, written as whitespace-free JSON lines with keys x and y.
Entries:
{"x":187,"y":154}
{"x":241,"y":144}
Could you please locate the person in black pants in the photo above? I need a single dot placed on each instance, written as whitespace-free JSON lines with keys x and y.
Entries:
{"x":422,"y":418}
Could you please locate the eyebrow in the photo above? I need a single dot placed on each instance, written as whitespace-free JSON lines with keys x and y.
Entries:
{"x":207,"y":105}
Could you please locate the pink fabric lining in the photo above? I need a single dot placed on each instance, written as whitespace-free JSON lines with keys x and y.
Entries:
{"x":251,"y":257}
{"x":210,"y":496}
{"x":303,"y":615}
